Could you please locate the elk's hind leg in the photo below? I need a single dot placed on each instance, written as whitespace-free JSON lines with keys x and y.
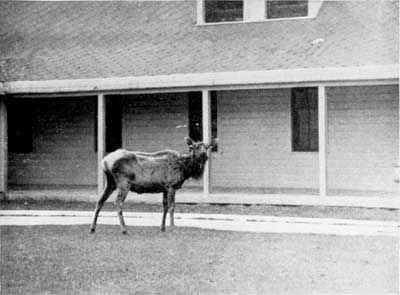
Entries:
{"x":168,"y":203}
{"x":119,"y":201}
{"x":106,"y":194}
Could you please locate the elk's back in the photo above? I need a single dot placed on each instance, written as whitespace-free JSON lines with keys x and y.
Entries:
{"x":145,"y":172}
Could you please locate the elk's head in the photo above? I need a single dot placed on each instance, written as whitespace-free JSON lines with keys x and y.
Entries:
{"x":199,"y":149}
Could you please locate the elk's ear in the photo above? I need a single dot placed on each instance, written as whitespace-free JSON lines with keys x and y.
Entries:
{"x":213,"y":143}
{"x":188,"y":141}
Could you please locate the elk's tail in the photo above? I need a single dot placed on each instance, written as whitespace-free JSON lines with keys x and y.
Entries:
{"x":107,"y":172}
{"x":104,"y":166}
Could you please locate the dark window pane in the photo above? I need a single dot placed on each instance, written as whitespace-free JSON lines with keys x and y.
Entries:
{"x":305,"y":119}
{"x":95,"y":124}
{"x":283,"y":8}
{"x":20,"y":129}
{"x":314,"y":128}
{"x":303,"y":129}
{"x":196,"y":113}
{"x":223,"y":11}
{"x":214,"y":118}
{"x":195,"y":116}
{"x":113,"y":123}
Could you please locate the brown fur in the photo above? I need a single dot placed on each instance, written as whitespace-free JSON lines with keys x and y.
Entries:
{"x":160,"y":172}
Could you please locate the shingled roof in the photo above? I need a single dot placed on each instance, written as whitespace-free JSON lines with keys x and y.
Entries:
{"x":84,"y":40}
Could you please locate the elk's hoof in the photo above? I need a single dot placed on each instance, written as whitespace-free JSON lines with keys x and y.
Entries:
{"x":124,"y":232}
{"x":163,"y":229}
{"x":92,"y":230}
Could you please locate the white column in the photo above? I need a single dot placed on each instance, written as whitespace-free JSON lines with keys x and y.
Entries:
{"x":254,"y":10}
{"x":322,"y":140}
{"x":101,"y":135}
{"x":200,"y":12}
{"x":206,"y":108}
{"x":3,"y":147}
{"x":397,"y":176}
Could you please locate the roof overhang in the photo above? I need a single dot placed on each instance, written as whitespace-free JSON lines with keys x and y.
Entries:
{"x":279,"y":78}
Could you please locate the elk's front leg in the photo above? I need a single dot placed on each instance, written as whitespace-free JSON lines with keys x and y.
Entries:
{"x":165,"y":208}
{"x":171,"y":205}
{"x":119,"y":201}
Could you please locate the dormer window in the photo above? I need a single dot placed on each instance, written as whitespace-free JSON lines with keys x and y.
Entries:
{"x":285,"y":9}
{"x":237,"y":11}
{"x":223,"y":11}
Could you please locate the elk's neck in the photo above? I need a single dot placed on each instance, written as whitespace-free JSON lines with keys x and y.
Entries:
{"x":193,"y":166}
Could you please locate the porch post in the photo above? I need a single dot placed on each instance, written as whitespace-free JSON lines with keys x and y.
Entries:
{"x":3,"y":147}
{"x":397,"y":172}
{"x":200,"y":12}
{"x":322,"y":140}
{"x":206,"y":108}
{"x":101,"y":134}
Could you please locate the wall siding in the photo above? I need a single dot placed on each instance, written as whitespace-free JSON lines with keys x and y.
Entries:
{"x":255,"y":150}
{"x":63,"y":145}
{"x":254,"y":127}
{"x":155,"y":122}
{"x":363,"y":137}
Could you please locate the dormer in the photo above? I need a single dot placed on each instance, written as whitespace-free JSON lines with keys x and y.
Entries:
{"x":239,"y":11}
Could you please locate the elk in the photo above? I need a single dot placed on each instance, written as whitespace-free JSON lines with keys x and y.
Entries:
{"x":160,"y":172}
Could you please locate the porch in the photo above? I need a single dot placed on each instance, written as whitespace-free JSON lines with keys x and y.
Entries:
{"x":352,"y":156}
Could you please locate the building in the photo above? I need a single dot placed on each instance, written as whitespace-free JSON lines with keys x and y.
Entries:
{"x":303,"y":95}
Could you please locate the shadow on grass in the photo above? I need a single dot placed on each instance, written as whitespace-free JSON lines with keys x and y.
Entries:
{"x":293,"y":211}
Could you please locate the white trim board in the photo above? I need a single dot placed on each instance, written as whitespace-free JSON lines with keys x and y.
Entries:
{"x":217,"y":79}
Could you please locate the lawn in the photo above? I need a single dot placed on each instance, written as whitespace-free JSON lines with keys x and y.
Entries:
{"x":68,"y":260}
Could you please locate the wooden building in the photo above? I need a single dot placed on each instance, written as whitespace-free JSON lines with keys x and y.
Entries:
{"x":303,"y":95}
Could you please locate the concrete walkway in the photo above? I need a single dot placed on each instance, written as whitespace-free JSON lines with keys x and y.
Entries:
{"x":244,"y":223}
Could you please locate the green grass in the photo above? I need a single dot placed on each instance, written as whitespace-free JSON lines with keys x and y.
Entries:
{"x":68,"y":260}
{"x":294,"y":211}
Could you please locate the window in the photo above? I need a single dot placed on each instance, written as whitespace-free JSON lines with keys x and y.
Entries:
{"x":305,"y":119}
{"x":214,"y":118}
{"x":20,"y":129}
{"x":285,"y":9}
{"x":195,"y":117}
{"x":113,"y":124}
{"x":239,"y":11}
{"x":223,"y":11}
